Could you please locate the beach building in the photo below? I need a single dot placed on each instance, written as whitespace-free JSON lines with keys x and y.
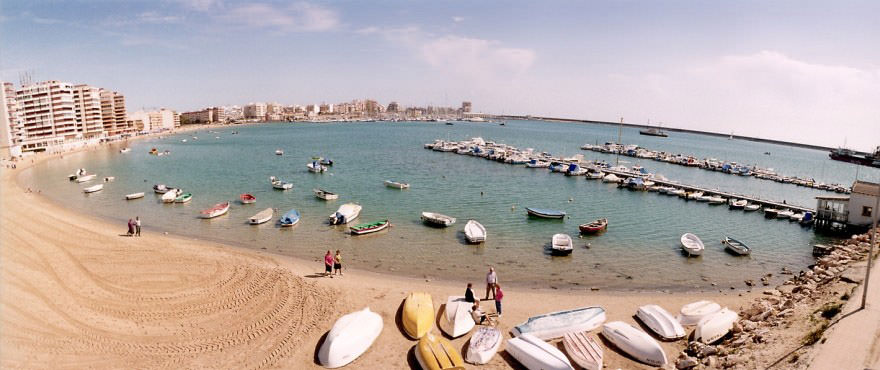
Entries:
{"x":844,"y":213}
{"x":255,"y":111}
{"x":88,"y":110}
{"x":155,"y":121}
{"x":10,"y":125}
{"x":466,"y":107}
{"x":47,"y":113}
{"x":203,"y":116}
{"x":218,"y":114}
{"x":113,"y":113}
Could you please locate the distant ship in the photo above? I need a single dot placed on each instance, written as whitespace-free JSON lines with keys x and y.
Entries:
{"x":847,"y":155}
{"x":653,"y":132}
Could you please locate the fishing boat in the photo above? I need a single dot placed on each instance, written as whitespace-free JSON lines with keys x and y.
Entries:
{"x":94,"y":188}
{"x":183,"y":198}
{"x":594,"y":175}
{"x":594,"y":227}
{"x":280,"y":185}
{"x":326,"y":161}
{"x":483,"y":345}
{"x":716,"y":200}
{"x":316,"y":167}
{"x":289,"y":219}
{"x":584,"y":350}
{"x":556,"y":324}
{"x":715,"y":326}
{"x":170,"y":195}
{"x":660,"y":322}
{"x":535,"y":163}
{"x":575,"y":170}
{"x":396,"y":184}
{"x":545,"y":213}
{"x":362,"y":229}
{"x":771,"y":212}
{"x":160,"y":188}
{"x":611,"y":178}
{"x":434,"y":352}
{"x":784,"y":214}
{"x":418,"y":314}
{"x":474,"y":232}
{"x":218,"y":209}
{"x":261,"y":217}
{"x":437,"y":219}
{"x":751,"y":207}
{"x":739,"y":204}
{"x":692,"y":313}
{"x":124,"y":150}
{"x":325,"y":195}
{"x":247,"y":198}
{"x":134,"y":196}
{"x":85,"y":178}
{"x":279,"y":152}
{"x":636,"y":343}
{"x":350,"y":337}
{"x":109,"y":179}
{"x":456,"y":319}
{"x":345,"y":214}
{"x":561,"y":245}
{"x":692,"y":245}
{"x":536,"y":354}
{"x":736,"y":246}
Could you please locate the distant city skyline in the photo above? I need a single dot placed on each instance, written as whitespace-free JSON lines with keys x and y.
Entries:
{"x":797,"y":71}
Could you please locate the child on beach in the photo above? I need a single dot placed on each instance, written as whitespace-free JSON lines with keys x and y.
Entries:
{"x":499,"y":294}
{"x":337,"y":263}
{"x":328,"y":264}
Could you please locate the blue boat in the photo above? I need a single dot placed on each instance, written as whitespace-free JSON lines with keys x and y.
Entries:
{"x":545,"y":213}
{"x":557,"y":167}
{"x":290,"y":218}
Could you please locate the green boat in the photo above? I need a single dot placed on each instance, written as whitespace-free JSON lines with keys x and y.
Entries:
{"x":362,"y":229}
{"x":183,"y":198}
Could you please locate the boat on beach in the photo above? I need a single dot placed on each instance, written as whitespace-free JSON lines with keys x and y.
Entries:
{"x":396,"y":184}
{"x":692,"y":313}
{"x":437,"y":219}
{"x":85,"y":178}
{"x":692,"y":245}
{"x":289,"y":219}
{"x":544,"y":213}
{"x":594,"y":227}
{"x":261,"y":217}
{"x":561,"y":245}
{"x":94,"y":188}
{"x":345,"y":213}
{"x":715,"y":326}
{"x":555,"y":324}
{"x":660,"y":322}
{"x":474,"y":232}
{"x":636,"y":343}
{"x":483,"y":345}
{"x":183,"y":198}
{"x":456,"y":319}
{"x":134,"y":196}
{"x":369,"y":228}
{"x":736,"y":246}
{"x":418,"y":314}
{"x":583,"y":350}
{"x":247,"y":198}
{"x":350,"y":336}
{"x":536,"y":354}
{"x":217,"y":210}
{"x":434,"y":352}
{"x":325,"y":195}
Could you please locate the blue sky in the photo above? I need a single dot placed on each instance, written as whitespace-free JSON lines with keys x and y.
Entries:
{"x":805,"y":71}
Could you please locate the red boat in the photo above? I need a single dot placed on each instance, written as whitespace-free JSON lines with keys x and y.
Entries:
{"x":595,"y":226}
{"x":218,"y":209}
{"x":247,"y":198}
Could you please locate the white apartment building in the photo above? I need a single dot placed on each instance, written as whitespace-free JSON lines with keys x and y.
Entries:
{"x":255,"y":111}
{"x":10,"y":126}
{"x":87,"y":109}
{"x":47,"y":114}
{"x":154,"y":121}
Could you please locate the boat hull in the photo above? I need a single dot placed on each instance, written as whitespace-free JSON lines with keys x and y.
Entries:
{"x":556,"y":324}
{"x":350,"y":337}
{"x":437,"y":353}
{"x":715,"y":326}
{"x":660,"y":322}
{"x":134,"y":196}
{"x":456,"y":319}
{"x":369,"y":228}
{"x":540,"y":213}
{"x":418,"y":314}
{"x":483,"y":345}
{"x":584,"y":350}
{"x":638,"y":344}
{"x":535,"y":354}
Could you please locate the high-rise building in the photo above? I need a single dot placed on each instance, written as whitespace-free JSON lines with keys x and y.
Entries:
{"x":113,"y":113}
{"x":326,"y":108}
{"x":466,"y":107}
{"x":372,"y":107}
{"x":393,"y":107}
{"x":87,"y":109}
{"x":10,"y":125}
{"x":197,"y":117}
{"x":218,"y":114}
{"x":47,"y":114}
{"x":255,"y":111}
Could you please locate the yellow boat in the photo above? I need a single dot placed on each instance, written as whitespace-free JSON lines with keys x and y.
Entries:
{"x":436,"y":353}
{"x":418,"y":314}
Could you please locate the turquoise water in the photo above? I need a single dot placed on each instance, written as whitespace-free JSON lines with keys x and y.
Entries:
{"x":639,"y":251}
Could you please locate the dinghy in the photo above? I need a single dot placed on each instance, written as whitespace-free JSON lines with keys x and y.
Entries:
{"x":739,"y":204}
{"x":784,"y":214}
{"x":247,"y":198}
{"x":218,"y":209}
{"x":85,"y":178}
{"x":636,"y":343}
{"x":736,"y":246}
{"x":752,"y":207}
{"x":771,"y":212}
{"x":475,"y":232}
{"x":316,"y":167}
{"x":279,"y":152}
{"x":434,"y":352}
{"x":545,"y":213}
{"x":290,"y":218}
{"x":281,"y":185}
{"x":556,"y":324}
{"x":561,"y":245}
{"x":170,"y":195}
{"x":717,"y":200}
{"x":611,"y":178}
{"x":261,"y":217}
{"x":325,"y":195}
{"x":396,"y":184}
{"x":715,"y":326}
{"x":692,"y":313}
{"x":418,"y":314}
{"x":134,"y":196}
{"x":362,"y":229}
{"x":349,"y":338}
{"x":160,"y":188}
{"x":92,"y":189}
{"x":483,"y":345}
{"x":594,"y":227}
{"x":660,"y":322}
{"x":345,"y":214}
{"x":692,"y":245}
{"x":124,"y":150}
{"x":437,"y":219}
{"x":584,"y":350}
{"x":456,"y":320}
{"x":183,"y":198}
{"x":326,"y":161}
{"x":536,"y":354}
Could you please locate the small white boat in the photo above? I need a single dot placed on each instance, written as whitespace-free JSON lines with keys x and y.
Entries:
{"x":325,"y":195}
{"x":280,"y":185}
{"x":396,"y":184}
{"x":124,"y":150}
{"x":350,"y":337}
{"x":704,"y":198}
{"x":279,"y":152}
{"x":475,"y":232}
{"x":736,"y":246}
{"x":797,"y":217}
{"x":456,"y":320}
{"x":437,"y":219}
{"x":92,"y":189}
{"x":584,"y":350}
{"x":316,"y":167}
{"x":261,"y":217}
{"x":134,"y":196}
{"x":692,"y":313}
{"x":556,"y":324}
{"x":715,"y":326}
{"x":217,"y":210}
{"x":535,"y":354}
{"x":483,"y":345}
{"x":739,"y":204}
{"x":751,"y":207}
{"x":660,"y":322}
{"x":561,"y":244}
{"x":160,"y":188}
{"x":170,"y":195}
{"x":345,"y":214}
{"x":594,"y":175}
{"x":109,"y":178}
{"x":678,"y":192}
{"x":717,"y":200}
{"x":692,"y":245}
{"x":85,"y":178}
{"x":611,"y":178}
{"x":638,"y":344}
{"x":785,"y":214}
{"x":183,"y":140}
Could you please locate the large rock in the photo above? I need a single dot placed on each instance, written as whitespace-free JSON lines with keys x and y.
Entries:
{"x":687,"y":363}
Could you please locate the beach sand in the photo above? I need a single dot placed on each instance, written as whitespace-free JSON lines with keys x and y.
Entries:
{"x":77,"y":293}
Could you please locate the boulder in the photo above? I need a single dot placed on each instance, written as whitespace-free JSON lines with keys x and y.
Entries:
{"x":686,"y":363}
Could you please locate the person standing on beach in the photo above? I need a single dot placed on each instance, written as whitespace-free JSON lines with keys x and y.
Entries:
{"x":499,"y":295}
{"x":328,"y":264}
{"x":337,"y":263}
{"x":137,"y":225}
{"x":130,"y":227}
{"x":491,"y":280}
{"x":469,"y":294}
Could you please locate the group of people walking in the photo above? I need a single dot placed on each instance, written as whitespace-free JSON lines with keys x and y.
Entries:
{"x":134,"y":226}
{"x":492,"y":287}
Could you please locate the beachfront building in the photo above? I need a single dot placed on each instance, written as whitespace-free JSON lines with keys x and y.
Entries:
{"x":10,"y":125}
{"x":393,"y":107}
{"x":155,"y":121}
{"x":255,"y":111}
{"x":218,"y":114}
{"x":466,"y":107}
{"x":88,"y":110}
{"x":113,"y":113}
{"x":203,"y":116}
{"x":855,"y":211}
{"x":47,"y":114}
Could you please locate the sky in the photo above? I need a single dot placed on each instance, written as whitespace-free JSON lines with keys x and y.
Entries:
{"x":803,"y":71}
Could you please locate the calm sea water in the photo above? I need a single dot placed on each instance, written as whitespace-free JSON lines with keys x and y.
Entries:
{"x":639,"y":251}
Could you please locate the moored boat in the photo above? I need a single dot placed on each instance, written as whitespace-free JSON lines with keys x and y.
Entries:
{"x":692,"y":313}
{"x":752,"y":207}
{"x":483,"y":345}
{"x":736,"y":246}
{"x":785,"y":214}
{"x":362,"y":229}
{"x":316,"y":167}
{"x":556,"y":324}
{"x":350,"y":337}
{"x":611,"y":178}
{"x":217,"y":210}
{"x":280,"y":185}
{"x":715,"y":326}
{"x":594,"y":227}
{"x":279,"y":152}
{"x":183,"y":198}
{"x":290,"y":218}
{"x":692,"y":245}
{"x":545,"y":213}
{"x":325,"y":195}
{"x":536,"y":354}
{"x":771,"y":212}
{"x":345,"y":213}
{"x":437,"y":219}
{"x":418,"y":314}
{"x":396,"y":184}
{"x":456,"y":319}
{"x":170,"y":195}
{"x":247,"y":198}
{"x":94,"y":188}
{"x":638,"y":344}
{"x":584,"y":350}
{"x":474,"y":232}
{"x":160,"y":188}
{"x":715,"y":200}
{"x":660,"y":322}
{"x":561,"y":244}
{"x":261,"y":217}
{"x":85,"y":178}
{"x":134,"y":196}
{"x":434,"y":352}
{"x":739,"y":204}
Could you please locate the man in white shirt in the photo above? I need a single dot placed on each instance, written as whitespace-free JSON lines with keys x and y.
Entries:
{"x":491,"y":280}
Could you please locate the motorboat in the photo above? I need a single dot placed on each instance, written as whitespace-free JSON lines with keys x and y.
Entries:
{"x":418,"y":314}
{"x":545,"y":213}
{"x":536,"y":354}
{"x":483,"y":345}
{"x":325,"y":195}
{"x":611,"y":178}
{"x":369,"y":228}
{"x":183,"y":198}
{"x":715,"y":200}
{"x":556,"y":324}
{"x":124,"y":150}
{"x":715,"y":326}
{"x":217,"y":210}
{"x":316,"y":167}
{"x":771,"y":212}
{"x":160,"y":188}
{"x":583,"y":350}
{"x":692,"y":245}
{"x":677,"y":192}
{"x":561,"y":245}
{"x":692,"y":313}
{"x":751,"y":207}
{"x":535,"y":163}
{"x":261,"y":217}
{"x":636,"y":343}
{"x":456,"y":319}
{"x":736,"y":246}
{"x":437,"y":219}
{"x":594,"y":227}
{"x":290,"y":218}
{"x":279,"y":152}
{"x":171,"y":195}
{"x":474,"y":232}
{"x":247,"y":198}
{"x":110,"y":179}
{"x":434,"y":352}
{"x":85,"y":178}
{"x":94,"y":188}
{"x":134,"y":196}
{"x":808,"y":219}
{"x":594,"y":175}
{"x":660,"y":322}
{"x":396,"y":184}
{"x":280,"y":185}
{"x":785,"y":214}
{"x":345,"y":214}
{"x":739,"y":204}
{"x":350,"y":337}
{"x":326,"y":161}
{"x":797,"y":217}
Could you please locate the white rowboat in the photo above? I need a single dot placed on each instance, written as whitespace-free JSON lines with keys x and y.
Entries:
{"x":692,"y":313}
{"x":85,"y":178}
{"x":456,"y":320}
{"x":92,"y":189}
{"x":556,"y":324}
{"x":396,"y":184}
{"x":483,"y":345}
{"x":692,"y":245}
{"x":325,"y":195}
{"x":736,"y":246}
{"x":715,"y":326}
{"x":437,"y":219}
{"x":535,"y":354}
{"x":475,"y":232}
{"x":350,"y":337}
{"x":638,"y":344}
{"x":561,"y":244}
{"x":660,"y":322}
{"x":261,"y":217}
{"x":134,"y":196}
{"x":584,"y":350}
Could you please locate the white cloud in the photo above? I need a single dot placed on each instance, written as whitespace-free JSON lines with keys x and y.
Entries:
{"x":476,"y":58}
{"x":295,"y":17}
{"x":458,"y":19}
{"x":201,"y":5}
